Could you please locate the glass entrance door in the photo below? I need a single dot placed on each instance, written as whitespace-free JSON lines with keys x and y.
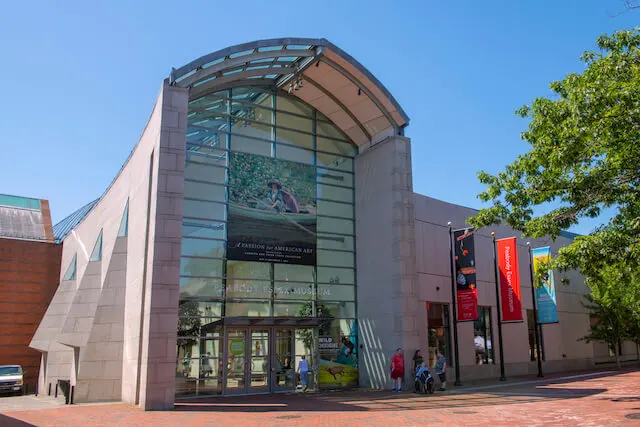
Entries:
{"x":263,"y":360}
{"x":236,"y":351}
{"x":259,"y":363}
{"x":284,"y":372}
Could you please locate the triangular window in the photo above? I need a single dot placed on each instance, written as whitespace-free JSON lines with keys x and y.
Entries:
{"x":124,"y":222}
{"x":71,"y":270}
{"x":96,"y":255}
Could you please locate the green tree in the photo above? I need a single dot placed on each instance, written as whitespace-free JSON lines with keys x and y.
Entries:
{"x":584,"y":157}
{"x":611,"y":307}
{"x":189,"y":324}
{"x":306,"y":310}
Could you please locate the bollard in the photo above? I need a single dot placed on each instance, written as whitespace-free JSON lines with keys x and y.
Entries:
{"x":56,"y":395}
{"x":71,"y":395}
{"x":49,"y":393}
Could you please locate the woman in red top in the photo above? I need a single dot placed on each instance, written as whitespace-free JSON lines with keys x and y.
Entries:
{"x":397,"y":370}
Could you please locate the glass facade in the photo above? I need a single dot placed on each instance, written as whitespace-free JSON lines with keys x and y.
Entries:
{"x":268,"y":232}
{"x":438,"y":321}
{"x":483,"y":337}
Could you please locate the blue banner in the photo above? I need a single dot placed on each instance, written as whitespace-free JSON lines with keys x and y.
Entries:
{"x":546,"y":294}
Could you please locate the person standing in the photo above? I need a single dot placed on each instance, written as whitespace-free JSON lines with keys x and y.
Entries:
{"x":417,"y":360}
{"x":397,"y":370}
{"x":303,"y":370}
{"x":441,"y":370}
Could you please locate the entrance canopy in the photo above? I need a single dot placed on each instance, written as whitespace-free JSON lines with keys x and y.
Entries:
{"x":314,"y":70}
{"x":299,"y":322}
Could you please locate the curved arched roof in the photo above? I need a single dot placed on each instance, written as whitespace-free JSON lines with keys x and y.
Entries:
{"x":314,"y":70}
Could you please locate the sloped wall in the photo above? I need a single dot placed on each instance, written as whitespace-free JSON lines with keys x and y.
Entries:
{"x":136,"y":283}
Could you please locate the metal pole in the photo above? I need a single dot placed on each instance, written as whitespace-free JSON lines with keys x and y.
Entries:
{"x":535,"y":313}
{"x":495,"y":273}
{"x":455,"y":310}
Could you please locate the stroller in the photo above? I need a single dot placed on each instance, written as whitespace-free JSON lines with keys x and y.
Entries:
{"x":424,"y":382}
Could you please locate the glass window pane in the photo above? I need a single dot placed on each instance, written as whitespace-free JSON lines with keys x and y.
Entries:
{"x":241,"y":288}
{"x":252,"y":112}
{"x":213,"y":157}
{"x":336,"y":276}
{"x":336,"y":293}
{"x":189,"y":327}
{"x":247,"y":309}
{"x":294,"y":154}
{"x":200,"y":287}
{"x":324,"y":128}
{"x":333,"y":225}
{"x":206,"y":210}
{"x":291,"y":105}
{"x":337,"y":309}
{"x":249,"y":270}
{"x":345,"y":243}
{"x":205,"y":173}
{"x":207,"y":120}
{"x":296,"y":273}
{"x":335,"y":193}
{"x":289,"y":309}
{"x":289,"y":290}
{"x":212,"y":102}
{"x":338,"y":147}
{"x":249,"y":145}
{"x":211,"y":347}
{"x":294,"y":138}
{"x":200,"y":190}
{"x":335,"y":162}
{"x":201,"y":267}
{"x":208,"y":229}
{"x":336,"y":259}
{"x":339,"y":327}
{"x":293,"y":122}
{"x":211,"y":138}
{"x":335,"y":177}
{"x":254,"y":95}
{"x":191,"y":308}
{"x":342,"y":210}
{"x":203,"y":247}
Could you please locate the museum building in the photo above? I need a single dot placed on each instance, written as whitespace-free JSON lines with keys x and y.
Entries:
{"x":266,"y":215}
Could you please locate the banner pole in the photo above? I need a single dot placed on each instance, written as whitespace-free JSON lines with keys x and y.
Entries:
{"x":495,"y":272}
{"x":455,"y":310}
{"x":535,"y":313}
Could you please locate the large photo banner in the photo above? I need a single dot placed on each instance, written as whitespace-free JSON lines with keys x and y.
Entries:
{"x":546,"y":294}
{"x":467,"y":293}
{"x":509,"y":280}
{"x":272,"y":210}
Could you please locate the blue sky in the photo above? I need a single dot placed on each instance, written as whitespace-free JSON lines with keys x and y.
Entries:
{"x":80,"y":78}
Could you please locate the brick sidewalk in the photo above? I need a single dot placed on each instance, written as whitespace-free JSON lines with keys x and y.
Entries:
{"x":602,"y":398}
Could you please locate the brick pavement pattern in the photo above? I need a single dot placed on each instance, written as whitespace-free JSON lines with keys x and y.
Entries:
{"x":597,"y":399}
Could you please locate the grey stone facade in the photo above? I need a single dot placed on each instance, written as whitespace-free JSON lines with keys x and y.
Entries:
{"x":112,"y":330}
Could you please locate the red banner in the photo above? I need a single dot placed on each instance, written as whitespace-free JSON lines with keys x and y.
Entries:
{"x":509,"y":280}
{"x":467,"y":305}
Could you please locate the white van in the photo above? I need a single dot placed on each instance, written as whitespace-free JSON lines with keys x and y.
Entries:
{"x":11,"y":379}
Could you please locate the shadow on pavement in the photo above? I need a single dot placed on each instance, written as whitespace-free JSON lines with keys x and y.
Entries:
{"x":378,"y":401}
{"x":6,"y":421}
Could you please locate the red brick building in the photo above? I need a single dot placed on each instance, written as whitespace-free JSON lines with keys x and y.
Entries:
{"x":29,"y":277}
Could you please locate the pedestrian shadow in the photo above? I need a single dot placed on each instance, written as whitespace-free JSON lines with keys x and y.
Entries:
{"x":6,"y":421}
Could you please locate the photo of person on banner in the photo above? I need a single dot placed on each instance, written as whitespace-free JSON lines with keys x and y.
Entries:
{"x":272,"y":210}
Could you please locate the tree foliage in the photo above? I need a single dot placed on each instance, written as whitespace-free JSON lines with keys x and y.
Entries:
{"x":614,"y":305}
{"x":584,"y":157}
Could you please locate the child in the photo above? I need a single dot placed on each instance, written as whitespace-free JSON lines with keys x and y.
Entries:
{"x":397,"y":370}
